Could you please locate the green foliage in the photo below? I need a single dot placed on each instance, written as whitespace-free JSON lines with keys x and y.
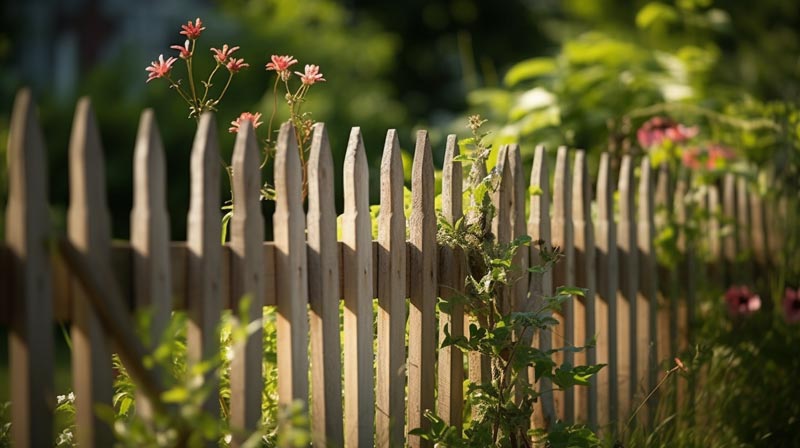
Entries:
{"x":503,"y":406}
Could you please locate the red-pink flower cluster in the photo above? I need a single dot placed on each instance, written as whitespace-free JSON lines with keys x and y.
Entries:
{"x":281,"y":64}
{"x":185,"y":52}
{"x":245,"y":116}
{"x":741,"y":301}
{"x":222,"y":55}
{"x":311,"y":75}
{"x":657,"y":129}
{"x":791,"y":305}
{"x":192,"y":31}
{"x":710,"y":158}
{"x":159,"y":68}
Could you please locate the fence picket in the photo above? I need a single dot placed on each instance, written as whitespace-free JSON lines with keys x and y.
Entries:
{"x":585,"y":277}
{"x":564,"y":274}
{"x":541,"y":284}
{"x":391,"y":375}
{"x":291,"y":275}
{"x":743,"y":231}
{"x":27,"y":229}
{"x":479,"y":369}
{"x":150,"y":237}
{"x":647,"y":306}
{"x":323,"y":292}
{"x":89,"y":230}
{"x":626,"y":301}
{"x":359,"y":406}
{"x":521,"y":260}
{"x":204,"y":253}
{"x":683,"y":300}
{"x":501,"y":225}
{"x":422,"y":290}
{"x":606,"y":304}
{"x":247,"y":283}
{"x":451,"y":274}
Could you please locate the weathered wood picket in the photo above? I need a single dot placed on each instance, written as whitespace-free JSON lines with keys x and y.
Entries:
{"x":640,"y":312}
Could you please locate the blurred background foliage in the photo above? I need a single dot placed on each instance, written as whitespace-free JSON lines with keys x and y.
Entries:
{"x":585,"y":74}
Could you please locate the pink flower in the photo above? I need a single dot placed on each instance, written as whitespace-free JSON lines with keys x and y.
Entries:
{"x":718,"y":155}
{"x":791,"y":305}
{"x":222,"y":55}
{"x":193,"y":31}
{"x":281,"y":65}
{"x":657,"y":129}
{"x":185,"y":52}
{"x":691,"y":158}
{"x":234,"y":65}
{"x":311,"y":75}
{"x":245,"y":116}
{"x":741,"y":301}
{"x":160,"y":68}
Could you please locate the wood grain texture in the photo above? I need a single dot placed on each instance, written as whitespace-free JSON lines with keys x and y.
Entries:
{"x":247,"y":263}
{"x":564,"y":274}
{"x":150,"y":238}
{"x":452,"y":271}
{"x":422,"y":290}
{"x":501,"y":222}
{"x":29,"y":300}
{"x":646,"y":298}
{"x":359,"y":405}
{"x":585,"y":277}
{"x":203,"y":267}
{"x":291,"y":275}
{"x":89,"y":231}
{"x":541,"y":284}
{"x":391,"y":368}
{"x":627,"y":253}
{"x":607,"y":281}
{"x":323,"y":291}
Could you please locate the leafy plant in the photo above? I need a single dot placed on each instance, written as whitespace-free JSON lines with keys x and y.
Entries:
{"x":502,"y":406}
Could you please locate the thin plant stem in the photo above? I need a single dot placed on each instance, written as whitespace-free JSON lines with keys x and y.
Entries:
{"x":653,"y":391}
{"x":191,"y":76}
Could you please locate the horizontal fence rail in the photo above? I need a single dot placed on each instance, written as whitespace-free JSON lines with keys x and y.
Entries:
{"x":640,"y":310}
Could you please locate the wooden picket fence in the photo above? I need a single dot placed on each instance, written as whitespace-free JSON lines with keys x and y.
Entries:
{"x":640,"y":312}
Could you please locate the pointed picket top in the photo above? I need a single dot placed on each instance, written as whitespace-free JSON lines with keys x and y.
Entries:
{"x":646,"y":209}
{"x":607,"y":281}
{"x":359,"y":407}
{"x":647,"y":306}
{"x":423,"y":284}
{"x":323,"y":291}
{"x":605,"y":190}
{"x":89,"y":230}
{"x":501,"y":225}
{"x":585,"y":277}
{"x":539,"y":220}
{"x":581,"y":189}
{"x":452,"y":181}
{"x":564,"y":272}
{"x":291,"y":287}
{"x":204,"y":268}
{"x":150,"y":241}
{"x":626,"y":189}
{"x":730,"y":243}
{"x":247,"y":237}
{"x":390,"y":363}
{"x":519,"y":227}
{"x":27,"y":228}
{"x":150,"y":227}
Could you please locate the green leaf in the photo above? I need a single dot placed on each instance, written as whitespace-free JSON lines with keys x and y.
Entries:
{"x":571,"y":291}
{"x":529,"y":69}
{"x":655,"y":14}
{"x":535,"y":190}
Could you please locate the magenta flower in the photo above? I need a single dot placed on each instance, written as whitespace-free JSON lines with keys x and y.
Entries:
{"x":691,"y":158}
{"x":718,"y":155}
{"x":791,"y":305}
{"x":160,"y":68}
{"x":245,"y":116}
{"x":192,"y":31}
{"x":311,"y":75}
{"x":234,"y":65}
{"x":222,"y":55}
{"x":185,"y":53}
{"x":281,"y":65}
{"x":657,"y":129}
{"x":741,"y":301}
